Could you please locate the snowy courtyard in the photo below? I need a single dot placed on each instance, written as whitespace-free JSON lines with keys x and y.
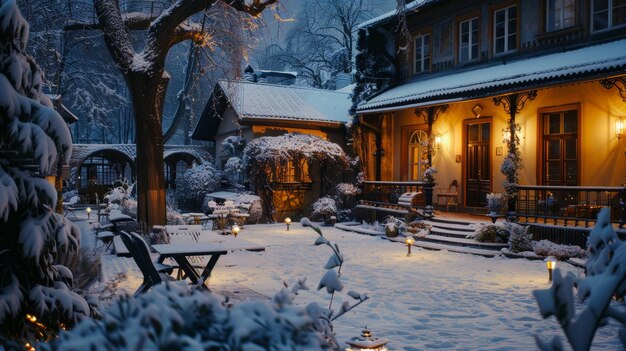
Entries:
{"x":430,"y":300}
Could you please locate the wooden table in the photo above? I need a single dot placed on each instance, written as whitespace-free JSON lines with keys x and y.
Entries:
{"x":180,"y":253}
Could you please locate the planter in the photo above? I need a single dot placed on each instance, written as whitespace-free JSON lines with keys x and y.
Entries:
{"x":391,"y":232}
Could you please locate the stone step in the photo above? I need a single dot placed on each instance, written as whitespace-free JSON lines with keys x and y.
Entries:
{"x":451,"y":221}
{"x":452,"y":248}
{"x":454,"y":226}
{"x":449,"y":232}
{"x":463,"y":242}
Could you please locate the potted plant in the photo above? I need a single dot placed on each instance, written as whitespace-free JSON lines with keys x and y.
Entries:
{"x":494,"y":203}
{"x":393,"y":226}
{"x":326,"y":208}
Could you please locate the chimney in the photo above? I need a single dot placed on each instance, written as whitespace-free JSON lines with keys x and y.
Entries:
{"x":249,"y":75}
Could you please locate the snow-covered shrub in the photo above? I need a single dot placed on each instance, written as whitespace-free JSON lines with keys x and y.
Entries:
{"x":494,"y":202}
{"x":332,"y":283}
{"x":195,"y":183}
{"x":35,"y":296}
{"x":69,"y":194}
{"x":234,"y":145}
{"x":491,"y":233}
{"x":418,"y":229}
{"x":602,"y":288}
{"x":429,"y":175}
{"x":324,"y":207}
{"x":561,"y":252}
{"x":520,"y":239}
{"x":233,"y":169}
{"x":394,"y":224}
{"x":175,"y":317}
{"x":346,"y":199}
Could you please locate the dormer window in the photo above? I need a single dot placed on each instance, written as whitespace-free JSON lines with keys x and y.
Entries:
{"x":607,"y":14}
{"x":505,"y":30}
{"x":560,"y":14}
{"x":422,"y":53}
{"x":468,"y":40}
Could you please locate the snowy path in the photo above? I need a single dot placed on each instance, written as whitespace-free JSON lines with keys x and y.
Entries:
{"x":431,"y":300}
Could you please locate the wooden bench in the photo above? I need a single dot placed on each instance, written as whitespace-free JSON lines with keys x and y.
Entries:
{"x":405,"y":208}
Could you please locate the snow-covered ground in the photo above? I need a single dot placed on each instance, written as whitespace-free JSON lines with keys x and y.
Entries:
{"x":430,"y":300}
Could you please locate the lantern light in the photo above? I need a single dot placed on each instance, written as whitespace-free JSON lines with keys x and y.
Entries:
{"x":619,"y":128}
{"x":409,"y":242}
{"x":366,"y":342}
{"x":550,"y":264}
{"x":88,"y":212}
{"x":437,"y":141}
{"x":287,"y":222}
{"x":235,"y":230}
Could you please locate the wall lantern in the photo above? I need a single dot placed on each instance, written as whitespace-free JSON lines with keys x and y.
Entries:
{"x":437,"y":141}
{"x":550,"y":264}
{"x":408,"y":241}
{"x":366,"y":342}
{"x":88,"y":212}
{"x":619,"y":128}
{"x":235,"y":230}
{"x":287,"y":222}
{"x":477,"y":110}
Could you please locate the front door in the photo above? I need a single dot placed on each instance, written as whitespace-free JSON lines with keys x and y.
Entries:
{"x":478,"y":163}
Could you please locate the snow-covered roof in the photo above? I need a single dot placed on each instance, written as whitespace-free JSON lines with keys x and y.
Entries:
{"x":411,"y":6}
{"x":530,"y":73}
{"x":257,"y":100}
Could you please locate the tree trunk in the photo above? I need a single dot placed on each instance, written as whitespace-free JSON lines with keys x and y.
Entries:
{"x":147,"y":95}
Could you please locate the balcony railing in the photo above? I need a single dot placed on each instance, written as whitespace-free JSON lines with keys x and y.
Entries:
{"x":568,"y":205}
{"x":389,"y":192}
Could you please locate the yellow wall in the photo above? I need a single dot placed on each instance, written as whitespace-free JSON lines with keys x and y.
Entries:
{"x":603,"y":158}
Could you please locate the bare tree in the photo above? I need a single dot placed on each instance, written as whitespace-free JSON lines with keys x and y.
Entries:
{"x":322,"y":43}
{"x":144,"y":72}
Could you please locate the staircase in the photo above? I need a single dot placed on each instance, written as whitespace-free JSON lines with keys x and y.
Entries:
{"x":451,"y":235}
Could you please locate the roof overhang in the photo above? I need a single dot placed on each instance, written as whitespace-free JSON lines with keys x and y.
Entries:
{"x":557,"y":69}
{"x":288,"y":122}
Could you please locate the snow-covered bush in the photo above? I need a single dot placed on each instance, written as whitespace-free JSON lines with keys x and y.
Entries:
{"x":195,"y":183}
{"x":429,"y":175}
{"x":346,"y":199}
{"x":392,"y":223}
{"x":418,"y":229}
{"x":69,"y":194}
{"x":233,"y":169}
{"x":491,"y":233}
{"x":119,"y":198}
{"x":520,"y":239}
{"x":494,"y":202}
{"x":234,"y":145}
{"x":561,"y":252}
{"x":324,"y":207}
{"x":35,"y":296}
{"x":175,"y":317}
{"x":605,"y":281}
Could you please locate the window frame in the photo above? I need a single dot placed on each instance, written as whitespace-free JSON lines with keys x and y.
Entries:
{"x":423,"y":69}
{"x":575,"y":20}
{"x":469,"y":18}
{"x":610,"y":25}
{"x":506,"y":29}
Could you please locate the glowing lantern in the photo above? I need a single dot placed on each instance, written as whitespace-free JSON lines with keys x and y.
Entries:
{"x":550,"y":264}
{"x":408,"y":242}
{"x":88,"y":212}
{"x":235,"y":230}
{"x":287,"y":222}
{"x":366,"y":342}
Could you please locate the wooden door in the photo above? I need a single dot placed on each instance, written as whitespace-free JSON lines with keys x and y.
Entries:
{"x":478,"y":163}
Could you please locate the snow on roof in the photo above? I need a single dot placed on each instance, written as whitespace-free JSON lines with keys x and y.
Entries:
{"x":257,"y":100}
{"x":507,"y":75}
{"x":392,"y":14}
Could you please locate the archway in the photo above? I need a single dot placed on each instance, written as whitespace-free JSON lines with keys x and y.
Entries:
{"x":175,"y":164}
{"x":98,"y":172}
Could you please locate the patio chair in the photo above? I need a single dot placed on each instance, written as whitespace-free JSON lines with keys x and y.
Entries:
{"x":152,"y":272}
{"x":450,"y":195}
{"x":106,"y":237}
{"x":69,"y":208}
{"x":103,"y":213}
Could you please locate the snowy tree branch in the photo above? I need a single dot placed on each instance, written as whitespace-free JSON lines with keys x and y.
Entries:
{"x":116,"y":34}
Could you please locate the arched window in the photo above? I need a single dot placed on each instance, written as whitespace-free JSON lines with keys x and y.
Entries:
{"x":418,"y":155}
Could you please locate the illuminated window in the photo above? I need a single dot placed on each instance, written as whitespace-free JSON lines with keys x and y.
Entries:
{"x":607,"y":14}
{"x":560,"y":14}
{"x":468,"y":40}
{"x":505,"y":30}
{"x":422,"y":53}
{"x":418,"y":155}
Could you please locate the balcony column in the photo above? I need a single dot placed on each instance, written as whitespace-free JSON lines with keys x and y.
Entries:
{"x":513,"y":104}
{"x":430,"y":115}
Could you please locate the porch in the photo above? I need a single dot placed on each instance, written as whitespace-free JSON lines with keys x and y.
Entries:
{"x":562,"y":214}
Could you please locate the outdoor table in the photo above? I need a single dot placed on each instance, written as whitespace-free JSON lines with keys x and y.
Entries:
{"x":196,"y":217}
{"x":120,"y":249}
{"x":181,"y":252}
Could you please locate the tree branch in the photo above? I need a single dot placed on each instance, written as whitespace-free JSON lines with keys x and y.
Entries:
{"x":116,"y":35}
{"x":253,"y":9}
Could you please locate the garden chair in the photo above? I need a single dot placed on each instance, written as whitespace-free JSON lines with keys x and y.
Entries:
{"x":152,"y":272}
{"x":69,"y":208}
{"x":450,"y":195}
{"x":103,"y":213}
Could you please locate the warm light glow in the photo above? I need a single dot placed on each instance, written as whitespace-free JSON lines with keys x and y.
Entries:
{"x":409,"y":240}
{"x":437,"y":141}
{"x":88,"y":212}
{"x":31,"y":318}
{"x":619,"y":128}
{"x":551,"y":264}
{"x":287,"y":220}
{"x":235,"y":230}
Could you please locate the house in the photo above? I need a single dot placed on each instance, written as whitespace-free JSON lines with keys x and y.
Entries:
{"x":553,"y":71}
{"x":251,"y":109}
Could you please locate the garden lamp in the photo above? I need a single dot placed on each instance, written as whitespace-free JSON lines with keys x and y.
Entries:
{"x":409,"y":242}
{"x":287,"y":222}
{"x":235,"y":230}
{"x":366,"y":342}
{"x":88,"y":212}
{"x":550,"y":264}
